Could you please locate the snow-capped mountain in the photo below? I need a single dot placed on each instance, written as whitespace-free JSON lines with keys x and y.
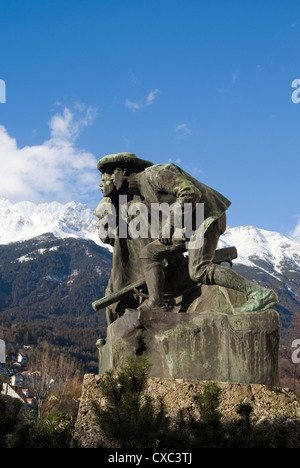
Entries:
{"x":25,"y":220}
{"x":253,"y":243}
{"x":256,"y":247}
{"x":267,"y":257}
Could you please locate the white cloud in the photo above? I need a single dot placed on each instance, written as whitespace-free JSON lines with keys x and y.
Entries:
{"x":183,"y":130}
{"x":147,"y":102}
{"x":132,"y":105}
{"x":53,"y":170}
{"x":67,"y":126}
{"x":151,"y":96}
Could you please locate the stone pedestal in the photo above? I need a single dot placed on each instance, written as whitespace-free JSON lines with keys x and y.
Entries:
{"x":274,"y":408}
{"x":197,"y":346}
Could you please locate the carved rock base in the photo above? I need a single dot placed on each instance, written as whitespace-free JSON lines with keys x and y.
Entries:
{"x":240,"y":348}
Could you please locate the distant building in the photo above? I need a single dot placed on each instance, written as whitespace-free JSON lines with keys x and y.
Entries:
{"x":25,"y":392}
{"x":22,"y":395}
{"x":17,"y":380}
{"x":22,"y":358}
{"x":8,"y":391}
{"x":2,"y":352}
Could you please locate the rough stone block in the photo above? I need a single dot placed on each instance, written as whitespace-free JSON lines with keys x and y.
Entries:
{"x":239,"y":348}
{"x":273,"y":407}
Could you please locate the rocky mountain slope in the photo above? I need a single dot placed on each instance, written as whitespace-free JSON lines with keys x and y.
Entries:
{"x":47,"y":286}
{"x":48,"y":277}
{"x":25,"y":220}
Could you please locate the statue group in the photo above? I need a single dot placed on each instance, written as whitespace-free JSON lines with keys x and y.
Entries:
{"x":164,"y":227}
{"x":165,"y":258}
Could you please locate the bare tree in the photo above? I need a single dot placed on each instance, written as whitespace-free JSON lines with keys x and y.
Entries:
{"x":49,"y":370}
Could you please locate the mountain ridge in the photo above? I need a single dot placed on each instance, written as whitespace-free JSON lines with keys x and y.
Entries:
{"x":25,"y":220}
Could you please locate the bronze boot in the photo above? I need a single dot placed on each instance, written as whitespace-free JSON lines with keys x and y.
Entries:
{"x":155,"y":281}
{"x":258,"y":298}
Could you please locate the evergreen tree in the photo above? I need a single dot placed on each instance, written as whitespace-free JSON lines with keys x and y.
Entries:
{"x":207,"y":430}
{"x":130,"y":417}
{"x":9,"y":419}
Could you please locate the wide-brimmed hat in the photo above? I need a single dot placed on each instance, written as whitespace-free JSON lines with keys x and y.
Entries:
{"x":129,"y":160}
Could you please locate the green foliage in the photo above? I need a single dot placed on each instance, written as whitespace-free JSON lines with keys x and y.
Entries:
{"x":19,"y":429}
{"x":245,"y":410}
{"x":208,"y":403}
{"x":51,"y":432}
{"x":9,"y":414}
{"x":207,"y":431}
{"x":130,"y":417}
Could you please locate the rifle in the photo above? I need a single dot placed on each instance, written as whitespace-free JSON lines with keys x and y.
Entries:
{"x":226,"y":254}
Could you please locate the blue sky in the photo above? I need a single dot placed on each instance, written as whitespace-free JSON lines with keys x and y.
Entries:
{"x":205,"y":84}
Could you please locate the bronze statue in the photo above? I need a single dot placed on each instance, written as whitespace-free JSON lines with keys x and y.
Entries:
{"x":127,"y":179}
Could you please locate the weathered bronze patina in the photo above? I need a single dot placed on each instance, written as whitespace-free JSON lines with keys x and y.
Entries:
{"x":158,"y":263}
{"x":175,"y":301}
